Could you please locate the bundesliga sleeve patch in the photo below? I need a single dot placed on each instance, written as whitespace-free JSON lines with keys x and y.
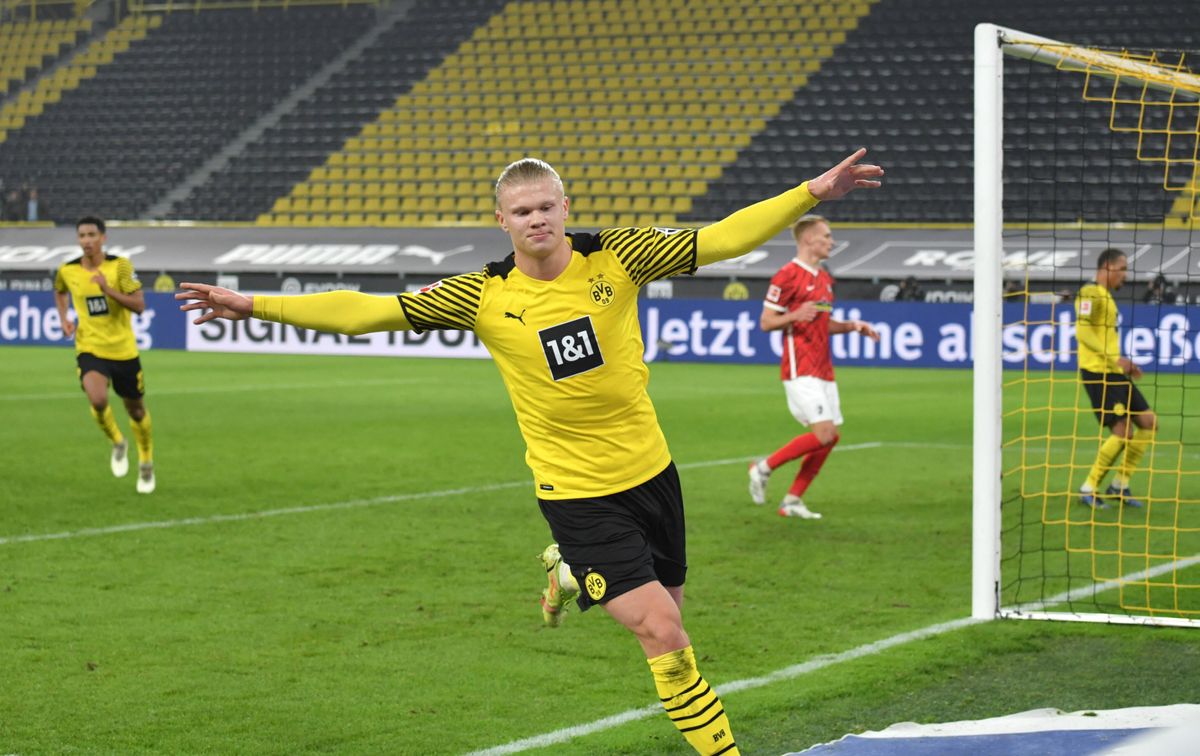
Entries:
{"x":571,"y":348}
{"x":773,"y":293}
{"x":1085,"y":307}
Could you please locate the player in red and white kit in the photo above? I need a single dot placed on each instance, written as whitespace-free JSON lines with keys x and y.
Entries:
{"x":800,"y":302}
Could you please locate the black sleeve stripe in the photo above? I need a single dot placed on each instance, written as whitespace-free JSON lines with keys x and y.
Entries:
{"x":648,"y":255}
{"x":452,"y":305}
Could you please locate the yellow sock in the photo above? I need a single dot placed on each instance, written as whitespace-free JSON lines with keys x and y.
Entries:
{"x":691,"y":704}
{"x":107,"y":423}
{"x":142,"y":433}
{"x":1135,"y":449}
{"x":1109,"y":450}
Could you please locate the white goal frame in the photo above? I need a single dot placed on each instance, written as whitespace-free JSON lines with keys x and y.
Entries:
{"x":992,"y":43}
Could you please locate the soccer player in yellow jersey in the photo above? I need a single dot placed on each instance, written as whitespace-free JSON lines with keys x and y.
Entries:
{"x":1108,"y":379}
{"x":559,"y":316}
{"x":104,"y":291}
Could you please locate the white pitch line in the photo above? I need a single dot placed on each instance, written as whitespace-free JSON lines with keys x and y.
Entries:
{"x":812,"y":665}
{"x":787,"y":673}
{"x":242,"y":516}
{"x":351,"y":504}
{"x":1091,"y":590}
{"x":225,"y":389}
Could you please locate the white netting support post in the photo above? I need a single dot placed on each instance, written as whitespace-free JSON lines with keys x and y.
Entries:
{"x":988,"y":319}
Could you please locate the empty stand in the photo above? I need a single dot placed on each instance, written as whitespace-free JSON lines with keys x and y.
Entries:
{"x":27,"y":47}
{"x":902,"y":86}
{"x":676,"y":112}
{"x":288,"y":152}
{"x":151,"y":113}
{"x":639,"y":106}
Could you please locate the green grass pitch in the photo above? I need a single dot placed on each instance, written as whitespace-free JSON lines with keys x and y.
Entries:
{"x":340,"y":558}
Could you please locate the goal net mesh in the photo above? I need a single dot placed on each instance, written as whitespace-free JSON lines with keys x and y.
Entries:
{"x":1100,"y":151}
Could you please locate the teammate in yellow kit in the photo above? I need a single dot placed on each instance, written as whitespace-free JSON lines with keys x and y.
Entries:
{"x":559,"y":316}
{"x":105,"y":291}
{"x":1109,"y":379}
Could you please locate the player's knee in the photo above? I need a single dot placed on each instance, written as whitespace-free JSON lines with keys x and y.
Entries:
{"x":827,"y":436}
{"x":663,"y":632}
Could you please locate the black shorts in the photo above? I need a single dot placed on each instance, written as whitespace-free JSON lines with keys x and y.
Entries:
{"x":125,"y":375}
{"x":619,"y":542}
{"x":1114,"y":397}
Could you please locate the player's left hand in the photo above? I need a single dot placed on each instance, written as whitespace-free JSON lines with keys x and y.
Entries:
{"x":845,"y":177}
{"x":219,"y":302}
{"x":863,"y":327}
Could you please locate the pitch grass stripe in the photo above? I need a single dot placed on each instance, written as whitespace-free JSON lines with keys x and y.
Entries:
{"x":325,"y":385}
{"x":812,"y":665}
{"x":352,"y":504}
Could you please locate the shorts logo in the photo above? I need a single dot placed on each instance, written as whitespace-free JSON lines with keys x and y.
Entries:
{"x":97,"y":305}
{"x":1119,"y":409}
{"x":571,"y":348}
{"x":596,"y":585}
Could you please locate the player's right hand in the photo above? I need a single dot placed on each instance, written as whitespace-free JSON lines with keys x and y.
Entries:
{"x":218,"y":301}
{"x":1129,"y":368}
{"x":68,"y":327}
{"x":805,"y":313}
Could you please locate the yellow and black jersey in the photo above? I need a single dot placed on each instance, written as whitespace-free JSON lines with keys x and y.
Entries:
{"x":570,"y":353}
{"x":104,"y":328}
{"x":1096,"y":330}
{"x":569,"y":350}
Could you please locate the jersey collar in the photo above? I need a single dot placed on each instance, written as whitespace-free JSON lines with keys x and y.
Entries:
{"x":806,"y":266}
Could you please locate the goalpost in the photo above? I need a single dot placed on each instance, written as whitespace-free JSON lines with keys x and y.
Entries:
{"x":1078,"y":150}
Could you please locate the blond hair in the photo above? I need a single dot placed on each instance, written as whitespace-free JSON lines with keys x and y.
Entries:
{"x":524,"y":171}
{"x":804,"y":223}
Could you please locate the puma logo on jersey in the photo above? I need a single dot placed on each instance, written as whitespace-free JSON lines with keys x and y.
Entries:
{"x":520,"y":317}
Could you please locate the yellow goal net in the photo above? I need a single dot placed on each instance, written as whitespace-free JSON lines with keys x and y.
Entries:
{"x":1087,"y":307}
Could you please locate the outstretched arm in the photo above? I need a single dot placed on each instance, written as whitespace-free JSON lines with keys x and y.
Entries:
{"x":749,"y":227}
{"x":348,"y":312}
